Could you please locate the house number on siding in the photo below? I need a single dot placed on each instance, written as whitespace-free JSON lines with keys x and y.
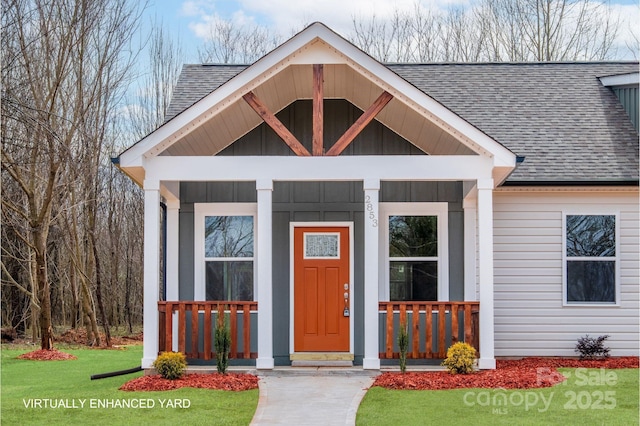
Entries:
{"x":372,"y":214}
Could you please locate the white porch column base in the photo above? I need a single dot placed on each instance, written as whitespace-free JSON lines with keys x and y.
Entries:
{"x":264,"y":363}
{"x":485,"y":260}
{"x":264,"y":258}
{"x":371,"y":364}
{"x":371,"y":359}
{"x":151,"y":271}
{"x":487,"y":363}
{"x":173,"y":254}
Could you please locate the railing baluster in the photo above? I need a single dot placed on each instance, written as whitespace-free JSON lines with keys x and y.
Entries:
{"x":442,"y":317}
{"x":454,"y":322}
{"x":233,"y":329}
{"x":194,"y":330}
{"x":168,"y":325}
{"x":415,"y":334}
{"x":467,"y":324}
{"x":389,"y":345}
{"x":207,"y":331}
{"x":429,"y":331}
{"x":246,"y":330}
{"x":182,"y":327}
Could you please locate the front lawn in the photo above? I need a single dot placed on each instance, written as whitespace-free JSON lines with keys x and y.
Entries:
{"x":587,"y":397}
{"x":27,"y":386}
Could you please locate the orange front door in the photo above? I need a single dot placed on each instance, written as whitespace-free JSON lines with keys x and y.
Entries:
{"x":321,"y":281}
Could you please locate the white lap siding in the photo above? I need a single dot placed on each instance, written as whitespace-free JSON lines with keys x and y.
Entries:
{"x":530,"y":319}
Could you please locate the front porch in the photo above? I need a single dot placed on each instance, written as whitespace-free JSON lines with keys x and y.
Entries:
{"x":352,"y":148}
{"x":429,"y":335}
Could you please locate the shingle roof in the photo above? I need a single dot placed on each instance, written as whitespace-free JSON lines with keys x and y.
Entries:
{"x":567,"y":125}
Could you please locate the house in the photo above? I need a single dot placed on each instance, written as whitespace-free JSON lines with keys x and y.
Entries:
{"x":328,"y":199}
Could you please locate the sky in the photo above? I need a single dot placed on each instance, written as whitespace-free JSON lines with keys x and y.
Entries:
{"x":188,"y":19}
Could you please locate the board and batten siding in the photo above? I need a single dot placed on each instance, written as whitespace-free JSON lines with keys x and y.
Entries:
{"x":530,"y":319}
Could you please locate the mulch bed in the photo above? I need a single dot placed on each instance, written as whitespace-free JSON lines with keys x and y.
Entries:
{"x":509,"y":374}
{"x":229,"y":382}
{"x":47,"y":355}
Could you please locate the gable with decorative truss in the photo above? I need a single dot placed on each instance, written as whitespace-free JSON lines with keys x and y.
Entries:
{"x":315,"y":65}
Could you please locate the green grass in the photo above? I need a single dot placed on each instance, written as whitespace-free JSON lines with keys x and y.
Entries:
{"x":586,"y":398}
{"x":23,"y":381}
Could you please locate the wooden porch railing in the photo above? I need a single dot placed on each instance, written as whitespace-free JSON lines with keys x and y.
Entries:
{"x":206,"y":350}
{"x":422,"y":336}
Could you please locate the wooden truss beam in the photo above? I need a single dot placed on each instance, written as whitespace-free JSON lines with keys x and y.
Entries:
{"x":275,"y":124}
{"x":318,"y":110}
{"x":360,"y":124}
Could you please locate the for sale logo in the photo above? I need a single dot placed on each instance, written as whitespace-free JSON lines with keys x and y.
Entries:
{"x":501,"y":400}
{"x":591,"y":399}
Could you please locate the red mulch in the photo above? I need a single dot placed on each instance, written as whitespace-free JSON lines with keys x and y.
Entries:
{"x":47,"y":355}
{"x":229,"y":381}
{"x":510,"y":374}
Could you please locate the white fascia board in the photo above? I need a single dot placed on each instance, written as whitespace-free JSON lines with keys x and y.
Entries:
{"x":340,"y":168}
{"x":621,"y":80}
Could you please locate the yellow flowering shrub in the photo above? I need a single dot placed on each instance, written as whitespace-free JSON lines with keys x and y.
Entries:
{"x":460,"y":358}
{"x":171,"y":365}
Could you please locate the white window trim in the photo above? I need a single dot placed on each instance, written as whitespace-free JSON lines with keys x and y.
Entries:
{"x":201,"y":210}
{"x":616,"y":258}
{"x":441,"y":211}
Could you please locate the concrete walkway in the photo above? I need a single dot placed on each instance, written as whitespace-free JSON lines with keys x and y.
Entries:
{"x":311,"y":396}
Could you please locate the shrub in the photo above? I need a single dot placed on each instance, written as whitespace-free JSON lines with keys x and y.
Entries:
{"x":171,"y":365}
{"x":222,"y":342}
{"x":590,"y":348}
{"x":403,"y":344}
{"x":460,"y":358}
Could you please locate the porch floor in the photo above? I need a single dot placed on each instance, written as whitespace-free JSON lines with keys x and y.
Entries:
{"x":313,"y":371}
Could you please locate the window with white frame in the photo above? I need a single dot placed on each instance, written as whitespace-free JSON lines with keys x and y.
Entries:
{"x":224,"y":251}
{"x":415,"y":246}
{"x":591,"y":258}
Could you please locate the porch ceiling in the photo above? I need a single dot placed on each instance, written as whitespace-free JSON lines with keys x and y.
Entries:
{"x":294,"y":82}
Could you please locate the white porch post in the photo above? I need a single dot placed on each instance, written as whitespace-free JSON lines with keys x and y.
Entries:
{"x":172,"y":259}
{"x":264,"y":258}
{"x":470,"y":216}
{"x":485,"y":258}
{"x":151,"y":270}
{"x":371,"y":229}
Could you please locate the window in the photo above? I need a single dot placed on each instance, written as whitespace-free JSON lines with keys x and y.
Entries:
{"x":321,"y":245}
{"x":590,"y":259}
{"x":225,"y":250}
{"x":415,"y":243}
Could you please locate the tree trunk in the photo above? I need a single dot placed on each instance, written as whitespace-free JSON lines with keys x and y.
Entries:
{"x":103,"y":314}
{"x":44,"y":294}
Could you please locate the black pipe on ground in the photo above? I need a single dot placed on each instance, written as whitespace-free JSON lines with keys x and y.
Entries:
{"x":116,"y":373}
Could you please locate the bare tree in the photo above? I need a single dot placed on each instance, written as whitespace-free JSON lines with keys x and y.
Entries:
{"x":424,"y":33}
{"x":461,"y":37}
{"x":230,"y":43}
{"x":547,"y":30}
{"x":64,"y":64}
{"x":493,"y":30}
{"x":155,"y":87}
